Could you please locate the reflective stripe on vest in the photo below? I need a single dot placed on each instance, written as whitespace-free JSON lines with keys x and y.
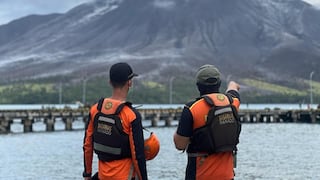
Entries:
{"x":106,"y":149}
{"x":223,"y":110}
{"x":105,"y":119}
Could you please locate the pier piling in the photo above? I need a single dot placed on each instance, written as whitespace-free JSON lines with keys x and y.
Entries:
{"x":69,"y":116}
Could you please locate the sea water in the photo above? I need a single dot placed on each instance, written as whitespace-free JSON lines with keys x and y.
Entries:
{"x":266,"y":152}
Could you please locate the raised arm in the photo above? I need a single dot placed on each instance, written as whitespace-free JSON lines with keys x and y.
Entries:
{"x":233,"y":86}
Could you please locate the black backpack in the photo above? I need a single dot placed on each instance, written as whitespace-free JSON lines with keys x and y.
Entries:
{"x":110,"y":142}
{"x":221,"y":132}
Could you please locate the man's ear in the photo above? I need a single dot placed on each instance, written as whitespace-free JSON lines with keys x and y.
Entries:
{"x":130,"y":82}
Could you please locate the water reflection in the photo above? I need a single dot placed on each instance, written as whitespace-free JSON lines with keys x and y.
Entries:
{"x":266,"y":152}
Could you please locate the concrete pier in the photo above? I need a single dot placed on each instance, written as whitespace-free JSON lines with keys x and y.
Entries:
{"x":157,"y":117}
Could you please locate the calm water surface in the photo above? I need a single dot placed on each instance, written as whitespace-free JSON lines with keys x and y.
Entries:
{"x":266,"y":152}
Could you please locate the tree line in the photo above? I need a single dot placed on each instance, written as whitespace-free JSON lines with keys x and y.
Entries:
{"x":182,"y":91}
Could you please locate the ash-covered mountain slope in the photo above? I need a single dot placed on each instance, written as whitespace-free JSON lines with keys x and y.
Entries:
{"x":164,"y":37}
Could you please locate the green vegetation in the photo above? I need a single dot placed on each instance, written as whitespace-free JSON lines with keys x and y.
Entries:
{"x":315,"y":86}
{"x":27,"y":93}
{"x":145,"y":92}
{"x":153,"y":93}
{"x":263,"y":92}
{"x":274,"y":88}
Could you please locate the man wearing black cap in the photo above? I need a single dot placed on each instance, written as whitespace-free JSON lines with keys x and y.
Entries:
{"x":210,"y":138}
{"x":114,"y":132}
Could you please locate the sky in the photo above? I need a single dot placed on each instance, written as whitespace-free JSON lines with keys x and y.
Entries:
{"x":14,"y":9}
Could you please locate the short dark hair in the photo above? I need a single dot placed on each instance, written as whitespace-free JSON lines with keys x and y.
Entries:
{"x":118,"y":84}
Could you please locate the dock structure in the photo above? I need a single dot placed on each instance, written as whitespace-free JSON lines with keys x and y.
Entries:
{"x":156,"y":116}
{"x":280,"y":116}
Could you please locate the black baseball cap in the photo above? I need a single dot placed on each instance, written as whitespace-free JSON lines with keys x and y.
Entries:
{"x":121,"y":72}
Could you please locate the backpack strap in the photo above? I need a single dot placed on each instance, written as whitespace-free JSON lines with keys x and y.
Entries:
{"x":228,"y":108}
{"x":230,"y":98}
{"x":100,"y":103}
{"x":208,"y":100}
{"x":120,"y":107}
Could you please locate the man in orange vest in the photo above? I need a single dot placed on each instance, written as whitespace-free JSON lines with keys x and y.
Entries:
{"x":114,"y":132}
{"x":209,"y":157}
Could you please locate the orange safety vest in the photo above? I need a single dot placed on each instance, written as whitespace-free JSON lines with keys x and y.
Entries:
{"x":218,"y":165}
{"x":200,"y":108}
{"x":123,"y":168}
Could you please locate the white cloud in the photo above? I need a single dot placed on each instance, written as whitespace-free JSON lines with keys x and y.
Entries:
{"x":164,"y":3}
{"x":313,"y":2}
{"x":13,"y":9}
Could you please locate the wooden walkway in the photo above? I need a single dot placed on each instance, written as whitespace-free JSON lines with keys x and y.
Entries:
{"x":156,"y":117}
